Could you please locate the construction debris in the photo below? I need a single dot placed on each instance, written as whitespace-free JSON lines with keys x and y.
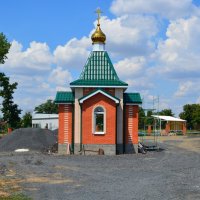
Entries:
{"x":141,"y":148}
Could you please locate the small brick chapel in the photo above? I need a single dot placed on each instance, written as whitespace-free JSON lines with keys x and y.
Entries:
{"x":97,"y":113}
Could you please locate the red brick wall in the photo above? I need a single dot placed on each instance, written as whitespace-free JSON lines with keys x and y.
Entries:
{"x":184,"y":128}
{"x":149,"y":129}
{"x":108,"y":90}
{"x":87,"y":122}
{"x":87,"y":91}
{"x":131,"y":124}
{"x":175,"y":126}
{"x":167,"y":127}
{"x":65,"y":124}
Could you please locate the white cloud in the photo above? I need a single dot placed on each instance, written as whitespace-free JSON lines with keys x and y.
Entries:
{"x":171,"y":9}
{"x":73,"y":54}
{"x":140,"y":84}
{"x":35,"y":59}
{"x":130,"y":68}
{"x":134,"y":71}
{"x":190,"y":89}
{"x":35,"y":72}
{"x":178,"y":55}
{"x":31,"y":90}
{"x":60,"y":88}
{"x":60,"y":77}
{"x":183,"y":89}
{"x":132,"y":40}
{"x":198,"y":100}
{"x":126,"y":34}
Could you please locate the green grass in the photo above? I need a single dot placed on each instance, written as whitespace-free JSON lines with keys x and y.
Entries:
{"x":16,"y":197}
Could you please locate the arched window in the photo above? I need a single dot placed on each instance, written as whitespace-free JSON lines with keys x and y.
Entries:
{"x":99,"y":125}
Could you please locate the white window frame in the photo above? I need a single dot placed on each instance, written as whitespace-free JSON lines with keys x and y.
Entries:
{"x":94,"y":121}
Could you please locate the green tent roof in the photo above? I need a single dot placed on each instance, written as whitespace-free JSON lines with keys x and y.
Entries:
{"x":64,"y":97}
{"x":68,"y":97}
{"x":98,"y":71}
{"x":132,"y":98}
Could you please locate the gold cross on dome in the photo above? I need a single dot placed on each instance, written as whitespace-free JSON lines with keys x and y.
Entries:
{"x":99,"y":12}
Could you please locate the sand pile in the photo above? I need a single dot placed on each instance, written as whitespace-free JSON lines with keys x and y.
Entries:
{"x":34,"y":139}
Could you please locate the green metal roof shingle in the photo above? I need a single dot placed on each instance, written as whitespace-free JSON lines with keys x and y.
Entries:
{"x":99,"y":70}
{"x":99,"y":82}
{"x":132,"y":98}
{"x":64,"y":97}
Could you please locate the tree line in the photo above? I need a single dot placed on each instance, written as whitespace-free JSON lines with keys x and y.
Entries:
{"x":147,"y":119}
{"x":191,"y":113}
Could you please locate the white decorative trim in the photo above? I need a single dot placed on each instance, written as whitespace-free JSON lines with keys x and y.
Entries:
{"x":130,"y":124}
{"x":132,"y":104}
{"x":97,"y":86}
{"x":93,"y":120}
{"x":99,"y":91}
{"x":66,"y":124}
{"x":99,"y":133}
{"x":64,"y":103}
{"x":98,"y":47}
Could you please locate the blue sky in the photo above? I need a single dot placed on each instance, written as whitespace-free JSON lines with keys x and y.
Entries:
{"x":53,"y":22}
{"x":154,"y":46}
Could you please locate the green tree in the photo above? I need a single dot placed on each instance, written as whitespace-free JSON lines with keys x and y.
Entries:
{"x":196,"y":118}
{"x":26,"y":120}
{"x":9,"y":109}
{"x":4,"y":48}
{"x":166,"y":112}
{"x":191,"y":113}
{"x":141,"y":118}
{"x":144,"y":120}
{"x":49,"y":107}
{"x":149,"y":119}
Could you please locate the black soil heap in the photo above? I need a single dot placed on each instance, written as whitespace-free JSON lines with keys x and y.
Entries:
{"x":34,"y":139}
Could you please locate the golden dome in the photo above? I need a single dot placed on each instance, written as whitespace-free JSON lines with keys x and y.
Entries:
{"x":98,"y":36}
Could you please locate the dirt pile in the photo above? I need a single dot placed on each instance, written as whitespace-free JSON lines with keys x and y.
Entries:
{"x":34,"y":139}
{"x":55,"y":132}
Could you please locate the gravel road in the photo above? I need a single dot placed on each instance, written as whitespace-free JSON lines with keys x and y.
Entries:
{"x":172,"y":174}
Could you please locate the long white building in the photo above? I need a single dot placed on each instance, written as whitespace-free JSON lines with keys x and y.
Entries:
{"x":48,"y":121}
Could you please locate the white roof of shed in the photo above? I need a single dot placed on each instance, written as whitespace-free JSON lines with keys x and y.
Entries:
{"x":168,"y":118}
{"x":44,"y":116}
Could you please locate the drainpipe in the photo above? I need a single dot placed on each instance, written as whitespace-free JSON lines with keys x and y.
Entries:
{"x":116,"y":128}
{"x":73,"y":128}
{"x":124,"y":127}
{"x":81,"y":130}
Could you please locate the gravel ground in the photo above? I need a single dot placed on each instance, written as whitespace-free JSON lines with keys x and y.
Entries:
{"x":172,"y":174}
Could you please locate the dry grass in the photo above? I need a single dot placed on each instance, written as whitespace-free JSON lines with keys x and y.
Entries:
{"x":9,"y":186}
{"x":48,"y":180}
